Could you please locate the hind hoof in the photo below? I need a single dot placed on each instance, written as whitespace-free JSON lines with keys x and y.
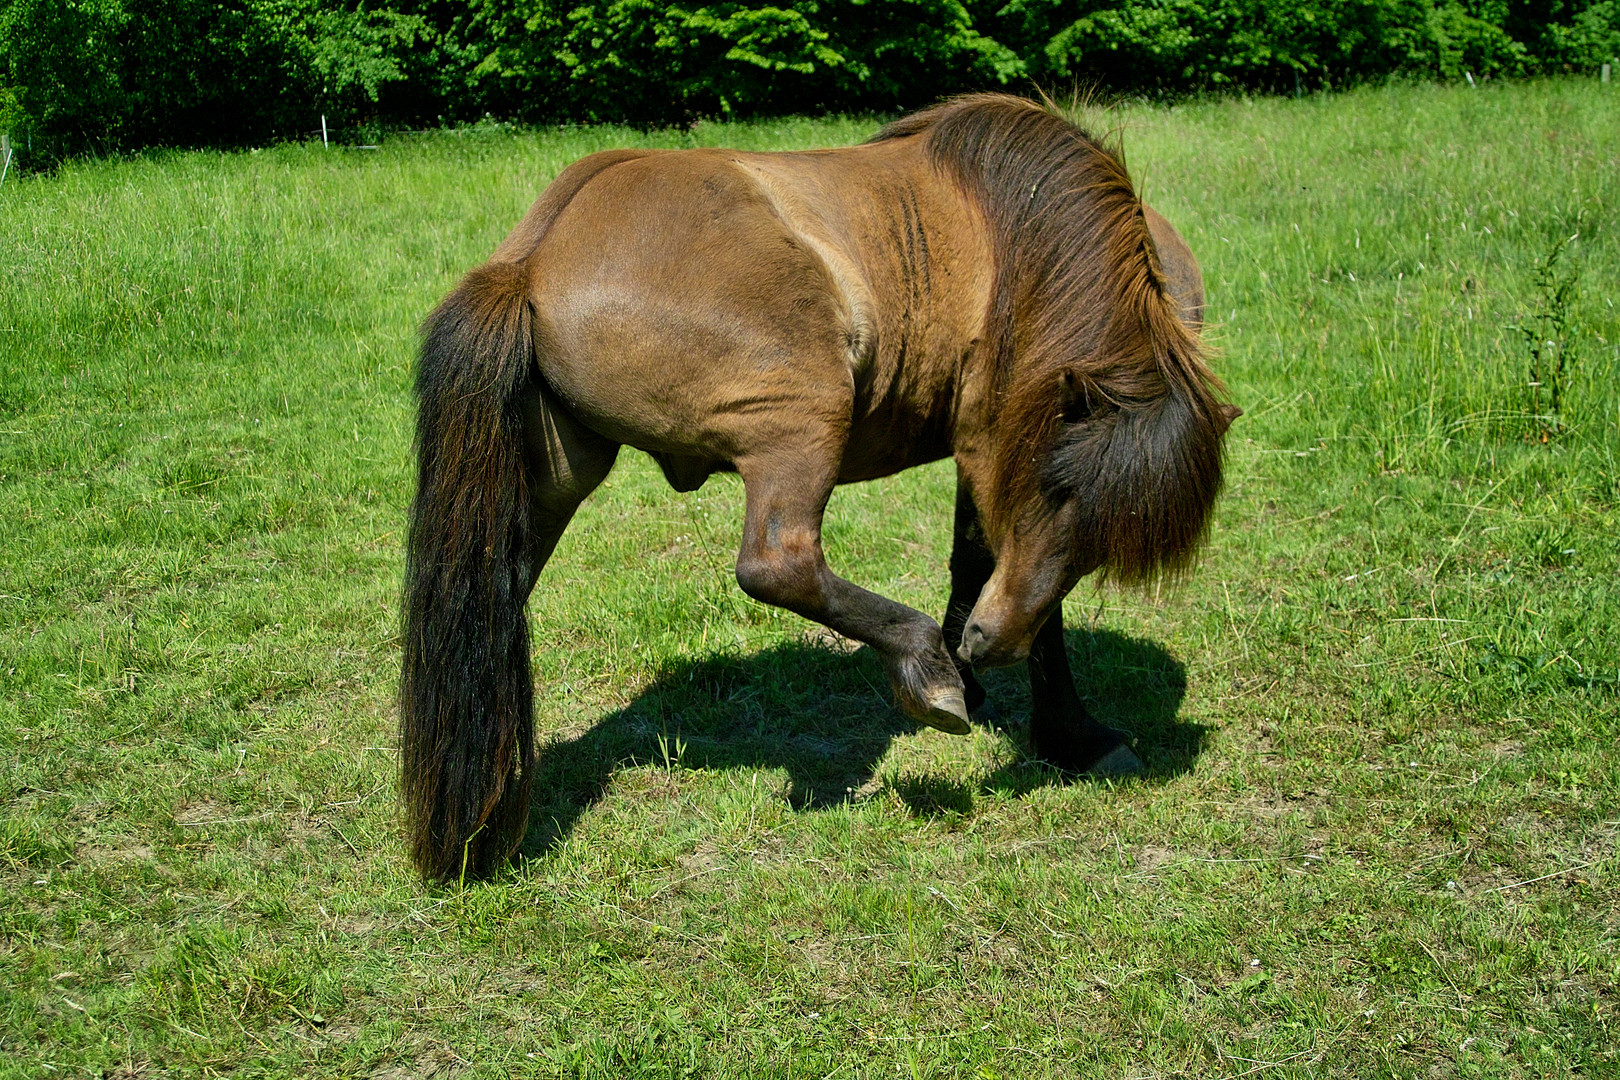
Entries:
{"x":1118,"y":762}
{"x":947,"y":710}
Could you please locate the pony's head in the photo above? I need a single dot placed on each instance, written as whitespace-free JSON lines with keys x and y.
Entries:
{"x":1121,"y":487}
{"x":1102,"y":446}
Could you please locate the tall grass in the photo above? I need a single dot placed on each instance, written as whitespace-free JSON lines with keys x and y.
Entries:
{"x":1377,"y":833}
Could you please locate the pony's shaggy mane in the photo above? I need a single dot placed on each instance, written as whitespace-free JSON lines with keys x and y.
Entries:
{"x":1080,"y":321}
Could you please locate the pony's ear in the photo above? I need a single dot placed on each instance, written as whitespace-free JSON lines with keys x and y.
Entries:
{"x":1074,"y":397}
{"x":1229,"y":413}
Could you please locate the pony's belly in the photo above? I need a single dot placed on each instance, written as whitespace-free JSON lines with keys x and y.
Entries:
{"x":876,"y":451}
{"x":701,"y":405}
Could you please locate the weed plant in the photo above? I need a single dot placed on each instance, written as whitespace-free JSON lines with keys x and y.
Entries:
{"x":1376,"y":837}
{"x":1551,"y":338}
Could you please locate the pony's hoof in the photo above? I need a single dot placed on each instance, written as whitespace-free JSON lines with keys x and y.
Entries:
{"x":947,"y":710}
{"x":1120,"y":761}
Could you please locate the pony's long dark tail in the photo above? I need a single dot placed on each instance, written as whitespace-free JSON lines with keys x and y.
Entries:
{"x":466,"y":710}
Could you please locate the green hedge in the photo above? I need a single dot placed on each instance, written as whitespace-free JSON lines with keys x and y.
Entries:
{"x":107,"y":74}
{"x":83,"y":75}
{"x":1179,"y":44}
{"x":641,"y":60}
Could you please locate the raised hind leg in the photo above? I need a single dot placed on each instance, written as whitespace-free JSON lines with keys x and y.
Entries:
{"x":781,"y":562}
{"x":566,"y":462}
{"x":1061,"y":728}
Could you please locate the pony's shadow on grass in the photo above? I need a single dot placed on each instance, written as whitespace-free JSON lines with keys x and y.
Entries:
{"x":824,"y":716}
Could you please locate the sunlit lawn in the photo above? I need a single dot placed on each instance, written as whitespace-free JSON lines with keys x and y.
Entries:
{"x":1377,"y":834}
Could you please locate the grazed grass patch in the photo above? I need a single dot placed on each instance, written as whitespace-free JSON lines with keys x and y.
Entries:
{"x":1377,"y":833}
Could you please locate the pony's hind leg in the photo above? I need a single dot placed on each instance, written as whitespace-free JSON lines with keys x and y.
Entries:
{"x":566,"y":462}
{"x":781,"y":563}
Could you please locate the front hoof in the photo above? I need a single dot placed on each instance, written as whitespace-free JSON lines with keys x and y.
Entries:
{"x":926,"y":684}
{"x":1083,"y":748}
{"x":1121,"y":761}
{"x":947,"y":710}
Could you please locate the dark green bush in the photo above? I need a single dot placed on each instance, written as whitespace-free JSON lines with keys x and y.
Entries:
{"x":93,"y":74}
{"x":639,"y":60}
{"x":1209,"y":44}
{"x":105,"y":74}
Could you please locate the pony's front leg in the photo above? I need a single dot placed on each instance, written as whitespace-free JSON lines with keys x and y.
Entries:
{"x":1061,"y":728}
{"x":971,"y":567}
{"x":781,"y":563}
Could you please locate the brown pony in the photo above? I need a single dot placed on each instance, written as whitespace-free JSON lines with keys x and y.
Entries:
{"x":979,"y":280}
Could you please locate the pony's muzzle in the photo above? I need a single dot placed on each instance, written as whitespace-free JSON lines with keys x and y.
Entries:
{"x":983,"y":648}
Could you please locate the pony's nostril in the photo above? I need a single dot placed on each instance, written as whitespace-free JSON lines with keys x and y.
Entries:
{"x":973,"y":643}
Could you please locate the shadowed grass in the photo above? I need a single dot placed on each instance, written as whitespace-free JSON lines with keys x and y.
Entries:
{"x":1377,"y":834}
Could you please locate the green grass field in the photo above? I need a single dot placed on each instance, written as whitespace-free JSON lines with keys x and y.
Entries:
{"x":1376,"y":837}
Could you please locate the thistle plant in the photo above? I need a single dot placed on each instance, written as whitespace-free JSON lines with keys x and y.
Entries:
{"x":1552,"y":340}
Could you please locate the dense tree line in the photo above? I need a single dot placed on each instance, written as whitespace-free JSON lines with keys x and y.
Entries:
{"x":105,"y":74}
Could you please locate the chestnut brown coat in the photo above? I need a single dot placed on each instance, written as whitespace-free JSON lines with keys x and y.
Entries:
{"x":979,"y":281}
